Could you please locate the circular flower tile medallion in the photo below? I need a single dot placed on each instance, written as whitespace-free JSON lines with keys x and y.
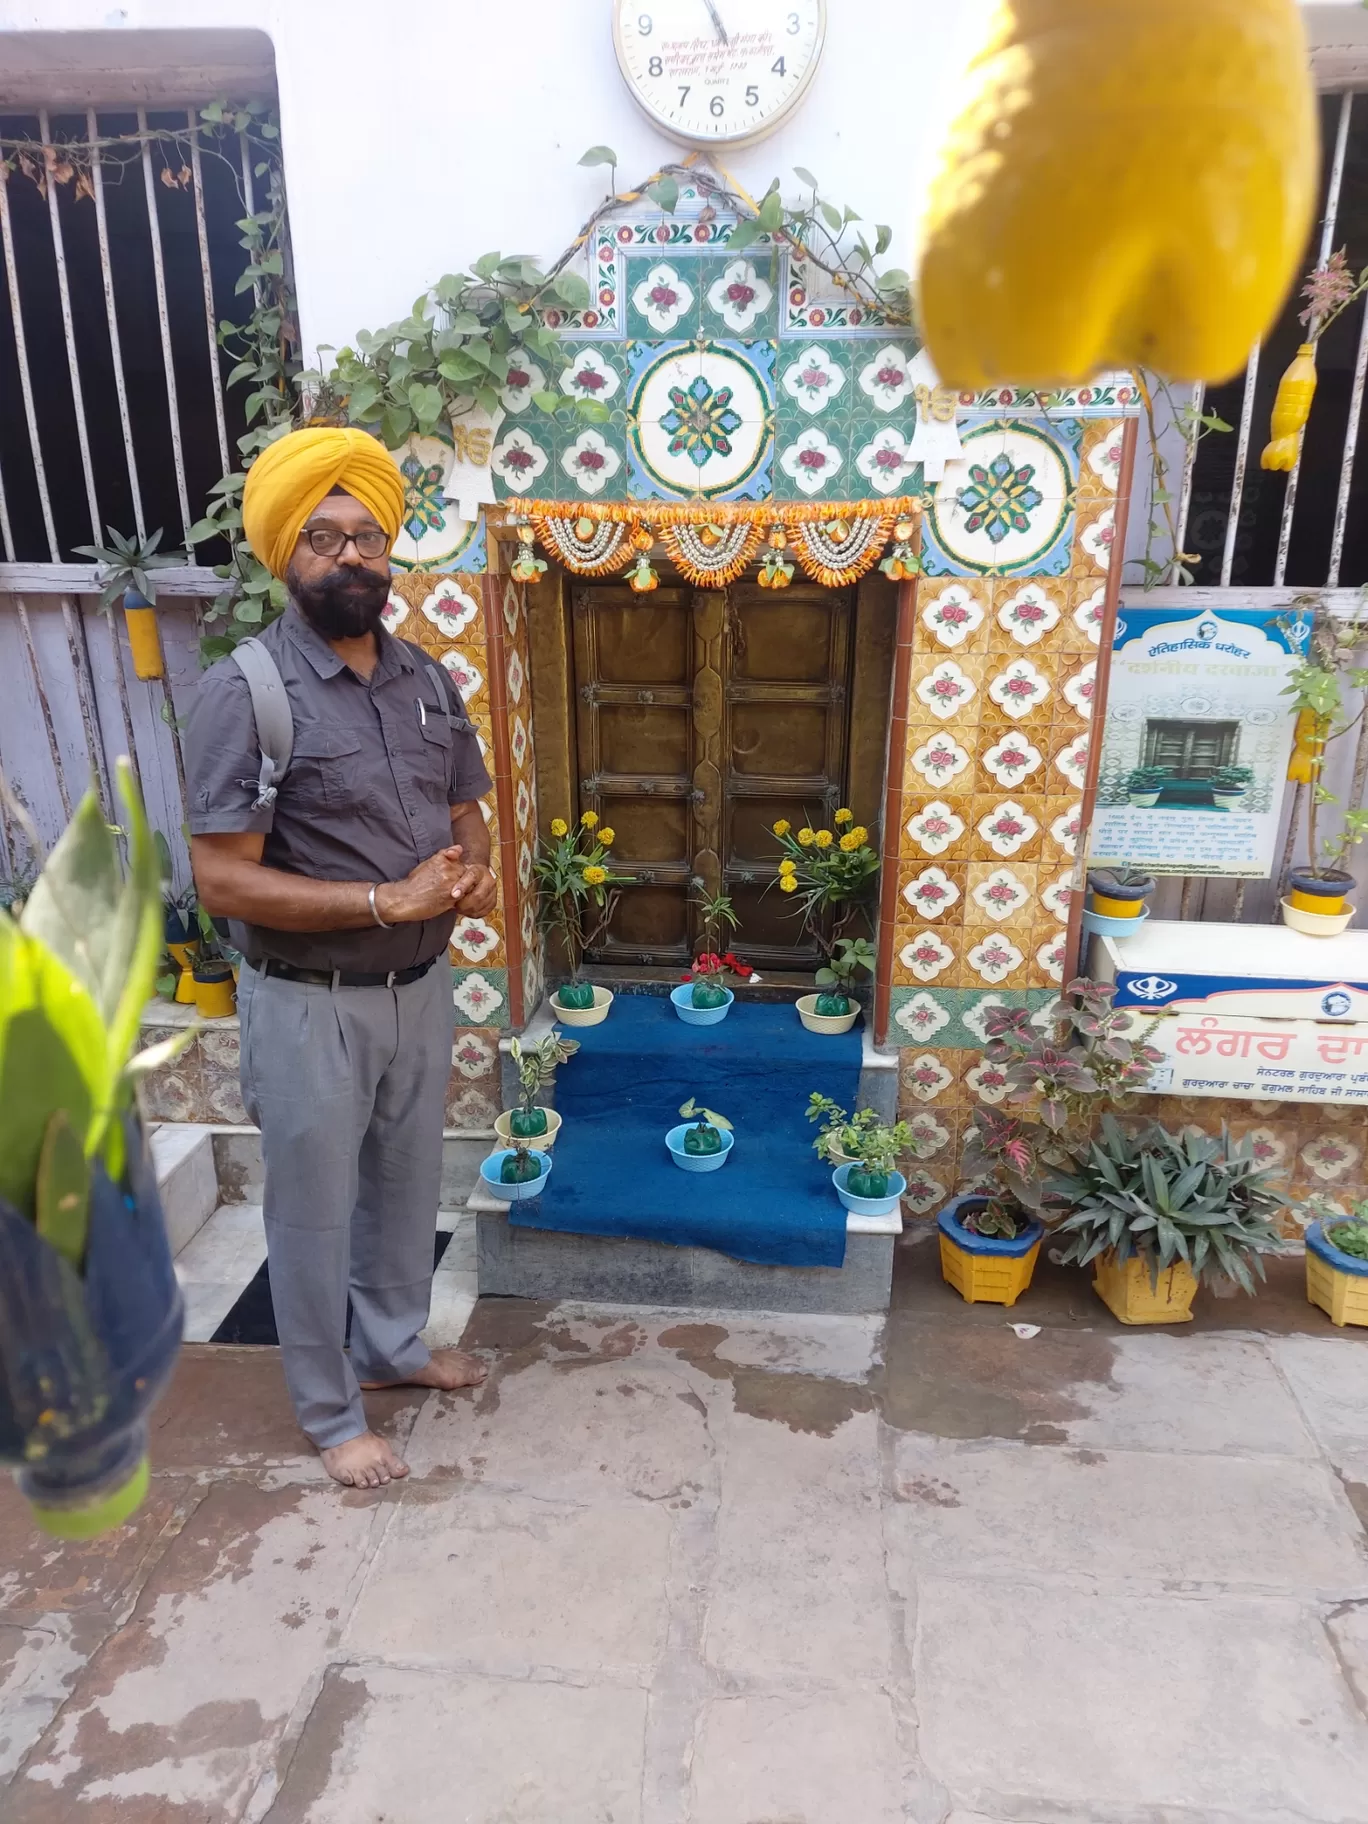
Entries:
{"x":1005,"y":502}
{"x":699,"y":422}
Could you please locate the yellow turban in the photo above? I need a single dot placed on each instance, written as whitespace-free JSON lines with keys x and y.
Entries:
{"x":291,"y":476}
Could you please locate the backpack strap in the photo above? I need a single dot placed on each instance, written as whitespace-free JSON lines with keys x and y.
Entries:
{"x":274,"y":718}
{"x":459,"y":723}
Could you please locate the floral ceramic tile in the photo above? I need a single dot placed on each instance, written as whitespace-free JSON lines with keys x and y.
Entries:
{"x":1028,"y":613}
{"x":1078,"y":688}
{"x":1071,"y":761}
{"x":662,"y":299}
{"x":998,"y":893}
{"x":1065,"y":821}
{"x":1049,"y":957}
{"x":452,"y":609}
{"x":1007,"y":506}
{"x":938,"y":760}
{"x":994,"y":957}
{"x":1090,"y":611}
{"x":814,"y":378}
{"x":1019,"y":688}
{"x":925,"y":956}
{"x":475,"y":1055}
{"x":524,"y":380}
{"x":935,"y":827}
{"x":951,"y":613}
{"x":988,"y":1081}
{"x":474,"y":940}
{"x":815,"y":462}
{"x":885,"y":378}
{"x":480,"y":997}
{"x":700,"y":420}
{"x":465,"y":674}
{"x":947,"y":690}
{"x":924,"y":1193}
{"x":1012,"y":759}
{"x":590,"y":461}
{"x":885,"y":462}
{"x":925,"y":1076}
{"x":1103,"y":445}
{"x":738,"y":299}
{"x":1007,"y":827}
{"x":932,"y":893}
{"x":1096,"y":535}
{"x":1056,"y":895}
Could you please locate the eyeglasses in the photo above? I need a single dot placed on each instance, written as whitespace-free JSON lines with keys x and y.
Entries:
{"x":327,"y":541}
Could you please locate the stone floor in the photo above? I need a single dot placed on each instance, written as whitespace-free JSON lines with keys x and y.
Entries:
{"x":672,"y":1570}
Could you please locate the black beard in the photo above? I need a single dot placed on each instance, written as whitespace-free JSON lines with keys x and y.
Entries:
{"x":346,"y":604}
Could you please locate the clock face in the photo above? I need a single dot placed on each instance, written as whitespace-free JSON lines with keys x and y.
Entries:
{"x":718,"y":72}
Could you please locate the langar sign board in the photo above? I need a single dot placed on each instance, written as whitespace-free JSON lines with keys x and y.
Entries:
{"x":1196,"y":743}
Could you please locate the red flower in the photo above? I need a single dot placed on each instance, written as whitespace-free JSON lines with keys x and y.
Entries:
{"x":811,"y":459}
{"x":738,"y":292}
{"x":590,"y":459}
{"x":589,"y":380}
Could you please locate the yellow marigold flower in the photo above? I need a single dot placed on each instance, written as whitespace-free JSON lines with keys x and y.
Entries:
{"x":788,"y":866}
{"x":559,"y":827}
{"x":860,"y":833}
{"x":844,"y":816}
{"x":850,"y":841}
{"x":595,"y":877}
{"x":787,"y":884}
{"x":783,"y":827}
{"x":590,"y":820}
{"x":807,"y":837}
{"x":824,"y":839}
{"x":606,"y":838}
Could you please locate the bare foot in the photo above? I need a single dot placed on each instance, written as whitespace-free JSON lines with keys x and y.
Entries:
{"x":364,"y":1462}
{"x":445,"y":1369}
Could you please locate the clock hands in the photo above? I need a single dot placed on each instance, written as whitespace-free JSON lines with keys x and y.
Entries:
{"x":714,"y":15}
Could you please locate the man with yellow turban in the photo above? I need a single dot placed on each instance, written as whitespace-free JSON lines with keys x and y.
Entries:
{"x":344,"y":878}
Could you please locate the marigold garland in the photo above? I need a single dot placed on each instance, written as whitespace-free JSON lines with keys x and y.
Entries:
{"x":835,"y":542}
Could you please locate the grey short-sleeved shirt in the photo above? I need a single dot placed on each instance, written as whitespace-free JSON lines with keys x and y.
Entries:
{"x":368,"y":794}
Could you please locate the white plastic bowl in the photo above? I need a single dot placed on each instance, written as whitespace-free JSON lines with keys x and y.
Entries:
{"x":1317,"y":924}
{"x":583,"y":1016}
{"x":825,"y":1022}
{"x":542,"y":1142}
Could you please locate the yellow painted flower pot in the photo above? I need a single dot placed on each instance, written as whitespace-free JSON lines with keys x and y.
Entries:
{"x":1316,"y":902}
{"x":144,"y":641}
{"x":1123,"y":185}
{"x":1335,"y":1281}
{"x":183,"y":955}
{"x":214,"y":1000}
{"x":1117,"y":908}
{"x":986,"y":1279}
{"x":1126,"y":1290}
{"x":185,"y":986}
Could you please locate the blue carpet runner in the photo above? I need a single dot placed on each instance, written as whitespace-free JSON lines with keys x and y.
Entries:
{"x":772,"y":1202}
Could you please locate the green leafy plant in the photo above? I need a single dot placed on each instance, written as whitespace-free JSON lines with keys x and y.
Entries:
{"x":1350,"y":1237}
{"x":536,"y":1065}
{"x":829,"y":876}
{"x":75,"y":973}
{"x":1170,"y":1197}
{"x":705,"y":1136}
{"x":1056,"y":1083}
{"x":850,"y":956}
{"x":1231,"y":778}
{"x":129,"y":563}
{"x":1192,"y":424}
{"x":1317,"y":686}
{"x":709,"y":969}
{"x":573,"y":870}
{"x":997,"y":1219}
{"x":871,"y":1145}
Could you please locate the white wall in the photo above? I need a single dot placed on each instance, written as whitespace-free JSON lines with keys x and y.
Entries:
{"x":419,"y":135}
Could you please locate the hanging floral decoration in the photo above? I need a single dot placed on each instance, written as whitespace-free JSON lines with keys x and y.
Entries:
{"x":642,"y":575}
{"x":712,"y":552}
{"x":589,"y":546}
{"x":835,"y":542}
{"x":526,"y":567}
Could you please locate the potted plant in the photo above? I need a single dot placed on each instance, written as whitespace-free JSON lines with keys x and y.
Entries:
{"x":574,"y":874}
{"x":1117,"y":901}
{"x":833,"y":1008}
{"x":829,"y":873}
{"x":1057,"y":1083}
{"x":988,"y":1247}
{"x":213,"y":973}
{"x":537,"y":1066}
{"x":829,"y":1144}
{"x":1315,"y":902}
{"x":702,"y":1141}
{"x":869,"y":1184}
{"x":1229,"y":785}
{"x":126,"y":569}
{"x":180,"y":930}
{"x":1160,"y":1213}
{"x":1337,"y":1264}
{"x":703,"y":998}
{"x":1144,"y":784}
{"x":90,"y":1311}
{"x":516,"y":1173}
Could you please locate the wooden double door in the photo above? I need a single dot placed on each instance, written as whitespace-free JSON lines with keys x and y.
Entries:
{"x":700,"y":717}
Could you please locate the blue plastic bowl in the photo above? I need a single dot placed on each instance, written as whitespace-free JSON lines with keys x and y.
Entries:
{"x":1101,"y":926}
{"x":869,"y":1206}
{"x":698,"y":1162}
{"x":699,"y":1016}
{"x":514,"y":1193}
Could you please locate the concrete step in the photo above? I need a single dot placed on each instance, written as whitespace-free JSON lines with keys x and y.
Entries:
{"x":187,"y":1181}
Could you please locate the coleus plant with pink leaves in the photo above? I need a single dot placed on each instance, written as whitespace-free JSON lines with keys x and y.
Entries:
{"x":1058,"y":1082}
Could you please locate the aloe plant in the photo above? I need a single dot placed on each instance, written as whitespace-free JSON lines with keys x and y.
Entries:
{"x":129,"y":563}
{"x":1170,"y":1197}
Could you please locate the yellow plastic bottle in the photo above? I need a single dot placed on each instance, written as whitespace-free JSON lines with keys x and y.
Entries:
{"x":1128,"y":183}
{"x":1291,"y":409}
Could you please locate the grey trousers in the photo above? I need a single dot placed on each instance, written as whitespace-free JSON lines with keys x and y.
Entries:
{"x":348,"y":1087}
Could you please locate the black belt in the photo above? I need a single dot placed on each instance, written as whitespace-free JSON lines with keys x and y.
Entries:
{"x":345,"y":978}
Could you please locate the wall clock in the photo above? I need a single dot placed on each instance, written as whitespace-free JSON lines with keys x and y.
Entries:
{"x":718,"y":72}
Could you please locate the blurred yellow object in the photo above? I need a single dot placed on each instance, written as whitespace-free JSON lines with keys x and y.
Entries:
{"x":1291,"y":409}
{"x":1308,"y":745}
{"x":1125,"y":185}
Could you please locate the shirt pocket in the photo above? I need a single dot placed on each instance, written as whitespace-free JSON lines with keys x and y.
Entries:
{"x":327,"y":770}
{"x":435,"y":758}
